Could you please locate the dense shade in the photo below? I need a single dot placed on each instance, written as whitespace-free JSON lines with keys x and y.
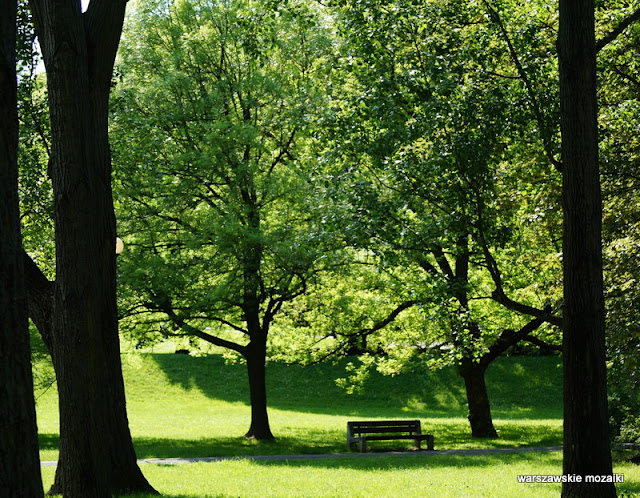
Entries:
{"x":586,"y":439}
{"x":20,"y":467}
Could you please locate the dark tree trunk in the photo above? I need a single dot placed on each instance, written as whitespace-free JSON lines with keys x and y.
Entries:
{"x":20,"y":463}
{"x":79,"y":294}
{"x":256,"y":351}
{"x":586,"y":443}
{"x":477,"y":398}
{"x":125,"y":472}
{"x":96,"y":452}
{"x":471,"y":371}
{"x":256,"y":362}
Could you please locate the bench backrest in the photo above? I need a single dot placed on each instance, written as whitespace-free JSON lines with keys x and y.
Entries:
{"x":384,"y":426}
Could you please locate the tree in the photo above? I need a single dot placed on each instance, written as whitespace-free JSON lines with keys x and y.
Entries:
{"x":619,"y":99}
{"x":586,"y":436}
{"x":217,"y":99}
{"x":80,"y":305}
{"x":429,"y":137}
{"x":20,"y":470}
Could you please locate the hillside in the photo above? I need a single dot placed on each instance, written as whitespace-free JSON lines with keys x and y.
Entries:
{"x":181,"y":405}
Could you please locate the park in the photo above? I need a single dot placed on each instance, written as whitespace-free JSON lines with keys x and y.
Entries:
{"x":196,"y":407}
{"x":319,"y":248}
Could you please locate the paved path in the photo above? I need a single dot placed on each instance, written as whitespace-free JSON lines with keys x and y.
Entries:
{"x":178,"y":461}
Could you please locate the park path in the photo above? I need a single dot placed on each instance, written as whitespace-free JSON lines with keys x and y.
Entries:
{"x":471,"y":452}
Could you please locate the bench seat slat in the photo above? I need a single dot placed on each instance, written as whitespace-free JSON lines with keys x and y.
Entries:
{"x":379,"y":430}
{"x":394,"y":436}
{"x":377,"y":423}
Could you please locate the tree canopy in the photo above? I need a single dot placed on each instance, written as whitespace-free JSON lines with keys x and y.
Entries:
{"x":301,"y":180}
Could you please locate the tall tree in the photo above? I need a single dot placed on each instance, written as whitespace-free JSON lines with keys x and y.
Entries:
{"x":218,"y":100}
{"x":586,"y":438}
{"x":430,"y":139}
{"x":20,"y":468}
{"x":78,"y":51}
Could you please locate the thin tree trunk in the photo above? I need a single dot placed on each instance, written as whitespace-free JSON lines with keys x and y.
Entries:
{"x":256,"y":362}
{"x":586,"y":442}
{"x":20,"y":463}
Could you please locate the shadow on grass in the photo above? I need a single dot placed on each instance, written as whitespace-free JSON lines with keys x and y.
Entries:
{"x":227,"y":447}
{"x":311,"y":442}
{"x":449,"y":434}
{"x":296,"y":388}
{"x":420,"y":460}
{"x":522,"y":387}
{"x":48,"y":441}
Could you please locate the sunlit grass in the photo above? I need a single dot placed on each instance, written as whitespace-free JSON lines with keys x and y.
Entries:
{"x":407,"y":475}
{"x":181,"y":406}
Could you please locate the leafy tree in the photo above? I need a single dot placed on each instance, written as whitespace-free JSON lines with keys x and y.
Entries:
{"x":77,"y":311}
{"x":428,"y":139}
{"x":213,"y":113}
{"x":36,"y":197}
{"x":618,"y":122}
{"x":20,"y":470}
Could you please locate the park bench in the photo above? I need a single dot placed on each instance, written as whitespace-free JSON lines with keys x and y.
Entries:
{"x":381,"y":430}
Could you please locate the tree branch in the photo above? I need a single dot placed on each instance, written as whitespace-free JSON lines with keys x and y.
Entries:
{"x":535,"y":106}
{"x":386,"y":321}
{"x":366,"y":331}
{"x":509,"y":338}
{"x":543,"y":344}
{"x":613,"y":34}
{"x":500,"y":297}
{"x":191,"y":330}
{"x":39,"y":299}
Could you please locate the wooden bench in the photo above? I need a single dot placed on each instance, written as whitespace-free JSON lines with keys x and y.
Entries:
{"x":381,"y":430}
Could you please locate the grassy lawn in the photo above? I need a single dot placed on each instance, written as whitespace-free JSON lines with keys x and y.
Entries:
{"x":182,"y":406}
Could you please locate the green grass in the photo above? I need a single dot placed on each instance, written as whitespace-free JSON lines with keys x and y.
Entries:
{"x":443,"y":476}
{"x":182,"y":406}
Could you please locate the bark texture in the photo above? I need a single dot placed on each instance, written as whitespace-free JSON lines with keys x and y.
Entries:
{"x":479,"y":415}
{"x":586,"y":443}
{"x":96,"y":453}
{"x":256,"y":361}
{"x":19,"y":460}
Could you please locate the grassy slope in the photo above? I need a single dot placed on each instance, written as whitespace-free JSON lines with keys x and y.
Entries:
{"x":197,"y":406}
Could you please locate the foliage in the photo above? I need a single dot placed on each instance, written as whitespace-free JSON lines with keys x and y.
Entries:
{"x":36,"y":195}
{"x":213,"y":108}
{"x":620,"y":154}
{"x":444,"y":138}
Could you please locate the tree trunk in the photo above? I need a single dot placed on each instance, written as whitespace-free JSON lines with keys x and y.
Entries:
{"x":477,"y":399}
{"x":96,"y":452}
{"x":586,"y":442}
{"x":256,"y":350}
{"x":20,"y":463}
{"x":256,"y":362}
{"x":125,"y":473}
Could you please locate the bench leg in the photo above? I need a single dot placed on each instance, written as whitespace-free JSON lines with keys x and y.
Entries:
{"x":430,"y":442}
{"x":363,"y":445}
